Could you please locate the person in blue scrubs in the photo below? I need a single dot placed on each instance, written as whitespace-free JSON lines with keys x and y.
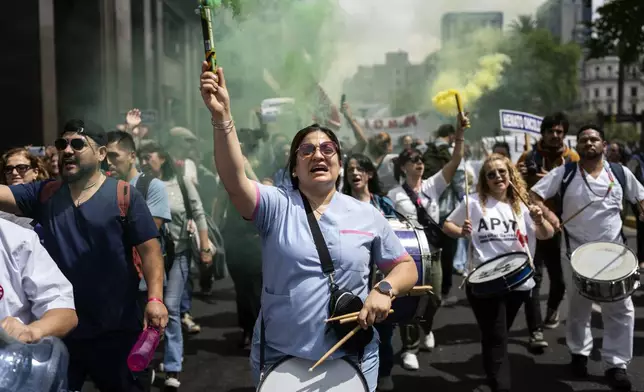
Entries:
{"x":361,"y":182}
{"x":295,"y":294}
{"x":92,"y":246}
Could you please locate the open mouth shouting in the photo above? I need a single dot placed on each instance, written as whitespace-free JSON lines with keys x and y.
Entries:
{"x":319,"y":168}
{"x":70,"y":163}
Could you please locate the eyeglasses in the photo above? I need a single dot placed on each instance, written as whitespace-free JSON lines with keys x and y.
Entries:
{"x":415,"y":159}
{"x":77,"y":144}
{"x":306,"y":150}
{"x":21,"y":169}
{"x":492,"y":174}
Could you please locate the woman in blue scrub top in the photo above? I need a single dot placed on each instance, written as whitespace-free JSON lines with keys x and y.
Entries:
{"x":295,"y":294}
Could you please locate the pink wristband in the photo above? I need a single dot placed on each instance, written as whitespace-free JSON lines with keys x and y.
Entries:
{"x":154,"y":299}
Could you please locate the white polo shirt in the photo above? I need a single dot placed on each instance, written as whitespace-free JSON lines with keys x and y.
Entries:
{"x":601,"y":221}
{"x":30,"y":281}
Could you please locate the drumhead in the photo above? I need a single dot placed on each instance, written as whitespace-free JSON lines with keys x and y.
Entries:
{"x":397,"y":224}
{"x":603,"y":261}
{"x":292,"y":375}
{"x":498,"y":267}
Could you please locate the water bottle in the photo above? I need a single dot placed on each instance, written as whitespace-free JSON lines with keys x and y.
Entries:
{"x":143,"y":350}
{"x":15,"y":366}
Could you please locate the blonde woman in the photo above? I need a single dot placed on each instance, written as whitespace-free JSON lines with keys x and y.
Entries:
{"x":496,"y":213}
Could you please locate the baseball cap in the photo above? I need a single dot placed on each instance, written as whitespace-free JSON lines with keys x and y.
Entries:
{"x":183,"y":133}
{"x":86,"y":128}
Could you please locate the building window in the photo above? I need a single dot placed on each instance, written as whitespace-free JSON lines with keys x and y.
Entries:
{"x":609,"y":91}
{"x":596,"y":93}
{"x":633,"y":91}
{"x":173,"y":38}
{"x":610,"y":71}
{"x":634,"y":108}
{"x":596,"y":72}
{"x":609,"y":108}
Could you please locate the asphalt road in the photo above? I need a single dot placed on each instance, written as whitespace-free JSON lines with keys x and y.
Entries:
{"x":213,"y":362}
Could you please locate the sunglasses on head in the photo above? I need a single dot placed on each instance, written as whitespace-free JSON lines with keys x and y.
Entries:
{"x":21,"y":169}
{"x":306,"y":150}
{"x":77,"y":144}
{"x":492,"y":174}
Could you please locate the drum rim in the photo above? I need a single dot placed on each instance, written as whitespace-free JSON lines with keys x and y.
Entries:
{"x":287,"y":357}
{"x":633,"y":271}
{"x":514,"y":286}
{"x":496,"y":258}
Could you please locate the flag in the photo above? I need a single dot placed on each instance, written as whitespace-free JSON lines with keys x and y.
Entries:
{"x":326,"y":113}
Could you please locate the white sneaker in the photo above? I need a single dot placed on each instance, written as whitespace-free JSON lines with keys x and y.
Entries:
{"x":172,"y":382}
{"x":410,"y":361}
{"x":189,"y":325}
{"x":428,"y":342}
{"x":385,"y":384}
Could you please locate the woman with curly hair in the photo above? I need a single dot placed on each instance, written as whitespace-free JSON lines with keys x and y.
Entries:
{"x":20,"y":166}
{"x":497,"y":213}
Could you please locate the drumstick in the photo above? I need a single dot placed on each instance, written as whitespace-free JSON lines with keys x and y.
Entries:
{"x":337,"y":346}
{"x":573,"y":217}
{"x":519,"y":195}
{"x":355,"y":318}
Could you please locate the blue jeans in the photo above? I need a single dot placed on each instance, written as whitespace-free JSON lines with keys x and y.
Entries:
{"x":460,"y":259}
{"x":386,"y":349}
{"x":173,"y":293}
{"x":186,"y":297}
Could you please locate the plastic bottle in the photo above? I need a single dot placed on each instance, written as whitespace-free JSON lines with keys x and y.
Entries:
{"x":143,"y":350}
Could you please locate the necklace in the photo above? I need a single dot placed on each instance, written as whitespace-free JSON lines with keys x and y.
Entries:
{"x":92,"y":185}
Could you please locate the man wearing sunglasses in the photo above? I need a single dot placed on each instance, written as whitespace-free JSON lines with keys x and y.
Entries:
{"x":92,"y":245}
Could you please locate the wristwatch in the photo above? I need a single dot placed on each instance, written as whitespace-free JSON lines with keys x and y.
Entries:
{"x":384,"y":287}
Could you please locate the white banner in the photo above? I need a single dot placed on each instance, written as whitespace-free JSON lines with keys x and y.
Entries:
{"x":414,"y":124}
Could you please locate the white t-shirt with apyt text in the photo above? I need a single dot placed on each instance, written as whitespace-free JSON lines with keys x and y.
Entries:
{"x":494,"y":231}
{"x":430,"y":191}
{"x":601,"y":221}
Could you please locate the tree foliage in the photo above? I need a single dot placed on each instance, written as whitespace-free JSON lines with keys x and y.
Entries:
{"x":541,"y":79}
{"x":619,"y":31}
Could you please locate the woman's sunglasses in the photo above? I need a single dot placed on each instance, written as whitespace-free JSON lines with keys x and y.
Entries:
{"x":415,"y":159}
{"x":21,"y":169}
{"x":306,"y":150}
{"x":492,"y":174}
{"x":77,"y":144}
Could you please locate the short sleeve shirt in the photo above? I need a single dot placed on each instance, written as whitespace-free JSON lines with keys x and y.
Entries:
{"x":494,"y":230}
{"x":295,"y":295}
{"x":431,"y":190}
{"x":30,"y":282}
{"x":88,"y":243}
{"x":157,"y":199}
{"x":601,"y":221}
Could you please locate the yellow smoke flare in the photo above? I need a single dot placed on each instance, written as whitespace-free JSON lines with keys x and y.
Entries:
{"x":486,"y":78}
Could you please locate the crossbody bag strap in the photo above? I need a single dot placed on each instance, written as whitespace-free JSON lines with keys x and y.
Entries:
{"x":318,"y":238}
{"x":421,"y":214}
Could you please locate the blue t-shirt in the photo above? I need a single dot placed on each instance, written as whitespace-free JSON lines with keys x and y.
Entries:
{"x":157,"y":199}
{"x":87,"y":243}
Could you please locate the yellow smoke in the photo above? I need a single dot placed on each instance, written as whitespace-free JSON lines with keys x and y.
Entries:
{"x":469,"y":88}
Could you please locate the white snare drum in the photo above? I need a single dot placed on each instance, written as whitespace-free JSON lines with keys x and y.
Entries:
{"x":605,"y":271}
{"x":500,"y":275}
{"x":292,"y":375}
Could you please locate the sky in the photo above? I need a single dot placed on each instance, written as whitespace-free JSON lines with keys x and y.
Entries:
{"x":374,"y":27}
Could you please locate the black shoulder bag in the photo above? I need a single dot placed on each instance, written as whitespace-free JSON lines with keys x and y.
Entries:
{"x":433,"y":230}
{"x":342,"y":301}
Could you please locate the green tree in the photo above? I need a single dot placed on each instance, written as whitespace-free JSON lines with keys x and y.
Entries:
{"x":524,"y":24}
{"x":542,"y":77}
{"x":619,"y":31}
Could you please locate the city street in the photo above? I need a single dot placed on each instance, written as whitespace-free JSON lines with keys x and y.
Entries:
{"x":214,"y":363}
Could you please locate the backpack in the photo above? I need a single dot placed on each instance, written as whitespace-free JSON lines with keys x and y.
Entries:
{"x":165,"y":239}
{"x":570,"y":170}
{"x":435,"y":158}
{"x":640,"y":161}
{"x":123,"y":201}
{"x":535,"y":160}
